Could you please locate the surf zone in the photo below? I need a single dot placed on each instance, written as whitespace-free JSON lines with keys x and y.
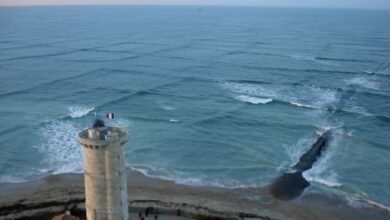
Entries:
{"x":291,"y":184}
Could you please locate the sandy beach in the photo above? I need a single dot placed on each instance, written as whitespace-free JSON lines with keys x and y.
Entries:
{"x":50,"y":196}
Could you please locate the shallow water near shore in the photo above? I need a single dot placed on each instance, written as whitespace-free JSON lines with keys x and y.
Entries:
{"x":54,"y":193}
{"x":217,"y":96}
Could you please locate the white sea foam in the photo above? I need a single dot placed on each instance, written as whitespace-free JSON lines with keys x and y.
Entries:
{"x":336,"y":129}
{"x":301,"y":57}
{"x":253,"y":99}
{"x":378,"y":205}
{"x":303,"y":105}
{"x":203,"y":180}
{"x":168,"y":107}
{"x":119,"y":122}
{"x":318,"y":97}
{"x":295,"y":151}
{"x":364,"y":82}
{"x":59,"y":145}
{"x":369,"y":72}
{"x":285,"y":165}
{"x":360,"y":110}
{"x":359,"y":202}
{"x":173,"y":120}
{"x":322,"y":171}
{"x":300,"y":104}
{"x":78,"y":111}
{"x":249,"y":89}
{"x":354,"y":201}
{"x":12,"y":179}
{"x":189,"y":179}
{"x":301,"y":96}
{"x":328,"y":180}
{"x":22,"y":176}
{"x":152,"y":171}
{"x":323,"y":174}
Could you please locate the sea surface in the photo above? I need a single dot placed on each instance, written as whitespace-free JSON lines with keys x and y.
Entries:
{"x":217,"y":96}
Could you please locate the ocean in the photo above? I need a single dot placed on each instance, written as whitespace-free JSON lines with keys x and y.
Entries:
{"x":214,"y":96}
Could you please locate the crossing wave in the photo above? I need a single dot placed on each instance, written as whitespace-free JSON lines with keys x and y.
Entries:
{"x":372,"y":83}
{"x":253,"y":99}
{"x":306,"y":96}
{"x":79,"y":111}
{"x":297,"y":95}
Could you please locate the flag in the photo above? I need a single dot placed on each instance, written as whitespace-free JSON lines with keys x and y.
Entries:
{"x":110,"y":115}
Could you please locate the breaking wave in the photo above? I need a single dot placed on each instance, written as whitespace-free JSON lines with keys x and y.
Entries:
{"x":359,"y":202}
{"x":119,"y":122}
{"x":78,"y":111}
{"x":303,"y":105}
{"x":253,"y":99}
{"x":295,"y":151}
{"x":364,"y":82}
{"x":322,"y":171}
{"x":301,"y":96}
{"x":60,"y":147}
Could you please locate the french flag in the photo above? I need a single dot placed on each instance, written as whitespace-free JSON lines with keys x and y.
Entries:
{"x":110,"y":115}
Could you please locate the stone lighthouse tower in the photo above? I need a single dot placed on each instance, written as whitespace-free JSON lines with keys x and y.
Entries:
{"x":104,"y":172}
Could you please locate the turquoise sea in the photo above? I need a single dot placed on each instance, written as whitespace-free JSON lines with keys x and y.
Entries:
{"x":220,"y":96}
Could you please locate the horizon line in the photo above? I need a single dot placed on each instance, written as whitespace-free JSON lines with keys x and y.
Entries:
{"x":193,"y":5}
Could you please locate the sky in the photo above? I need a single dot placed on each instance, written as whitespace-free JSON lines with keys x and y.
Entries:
{"x":364,"y":4}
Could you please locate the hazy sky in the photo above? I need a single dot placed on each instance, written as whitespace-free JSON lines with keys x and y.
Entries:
{"x":369,"y":4}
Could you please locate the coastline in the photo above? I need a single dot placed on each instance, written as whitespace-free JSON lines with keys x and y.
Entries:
{"x":51,"y":195}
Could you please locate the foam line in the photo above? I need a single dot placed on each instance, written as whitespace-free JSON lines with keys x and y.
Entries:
{"x":253,"y":99}
{"x":60,"y":146}
{"x":78,"y":111}
{"x":348,"y":90}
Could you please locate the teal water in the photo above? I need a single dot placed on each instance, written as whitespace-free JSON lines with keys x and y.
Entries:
{"x":222,"y":96}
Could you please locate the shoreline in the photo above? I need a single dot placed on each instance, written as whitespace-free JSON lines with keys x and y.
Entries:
{"x":49,"y":196}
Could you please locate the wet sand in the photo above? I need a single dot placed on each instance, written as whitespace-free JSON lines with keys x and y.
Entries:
{"x":49,"y":196}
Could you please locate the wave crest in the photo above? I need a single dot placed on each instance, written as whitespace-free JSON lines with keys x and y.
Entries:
{"x":301,"y":96}
{"x":78,"y":111}
{"x":253,"y":99}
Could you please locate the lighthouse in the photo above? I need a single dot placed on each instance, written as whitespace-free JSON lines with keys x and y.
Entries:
{"x":104,"y":172}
